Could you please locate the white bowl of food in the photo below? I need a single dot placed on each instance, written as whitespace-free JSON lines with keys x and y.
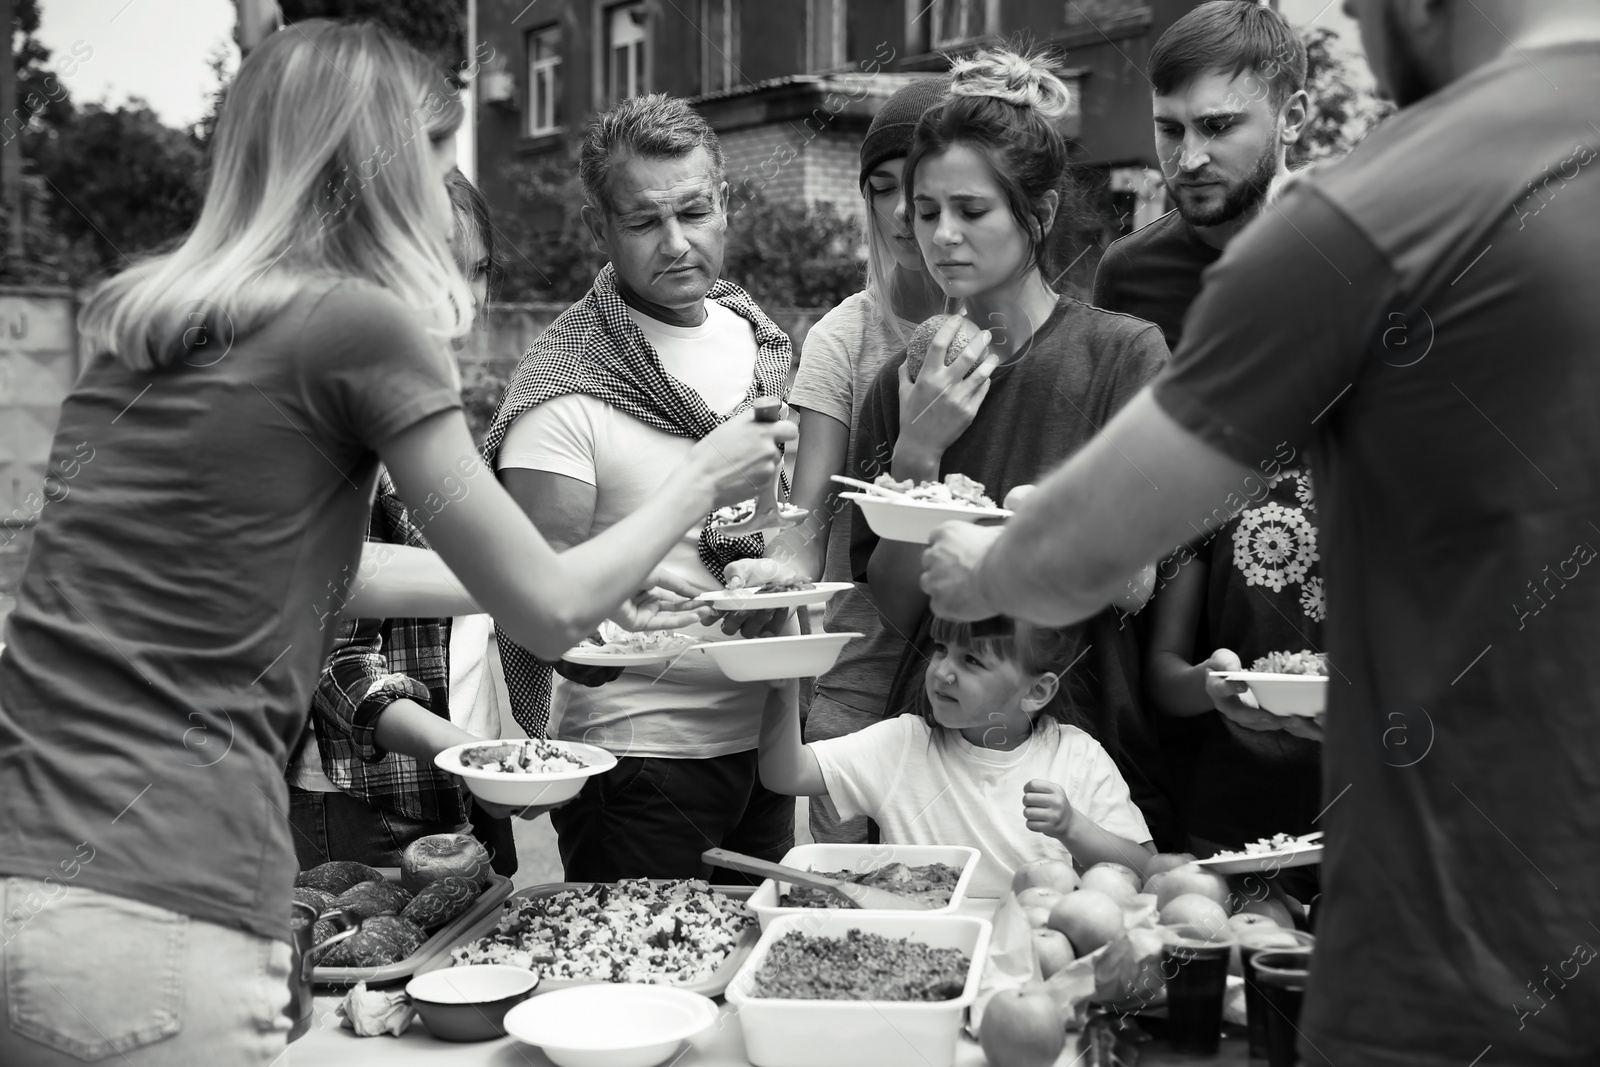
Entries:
{"x":877,"y":1026}
{"x":525,"y":771}
{"x":611,"y":1025}
{"x":766,"y":659}
{"x":898,"y":868}
{"x":911,"y":511}
{"x":1287,"y":683}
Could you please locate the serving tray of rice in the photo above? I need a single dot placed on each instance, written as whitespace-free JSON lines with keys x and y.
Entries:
{"x":684,"y":933}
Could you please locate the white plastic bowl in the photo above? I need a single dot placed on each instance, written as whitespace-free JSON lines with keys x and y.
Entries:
{"x":523,"y":789}
{"x":859,"y":1033}
{"x":857,"y":858}
{"x":912,"y":520}
{"x":1285,"y":694}
{"x":765,"y":659}
{"x":611,"y":1025}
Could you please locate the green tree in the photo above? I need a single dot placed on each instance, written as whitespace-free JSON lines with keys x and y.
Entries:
{"x":1343,"y":111}
{"x":437,"y":27}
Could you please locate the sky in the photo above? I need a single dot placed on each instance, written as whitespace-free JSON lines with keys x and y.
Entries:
{"x":158,"y":49}
{"x":155,"y":49}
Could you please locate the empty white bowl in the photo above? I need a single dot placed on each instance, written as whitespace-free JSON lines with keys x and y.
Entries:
{"x":765,"y":659}
{"x":912,"y":520}
{"x":610,"y":1025}
{"x":521,"y":790}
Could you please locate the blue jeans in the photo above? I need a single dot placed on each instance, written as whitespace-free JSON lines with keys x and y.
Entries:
{"x":91,"y":977}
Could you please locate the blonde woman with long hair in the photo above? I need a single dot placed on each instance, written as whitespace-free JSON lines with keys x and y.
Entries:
{"x":841,"y":357}
{"x":211,"y":475}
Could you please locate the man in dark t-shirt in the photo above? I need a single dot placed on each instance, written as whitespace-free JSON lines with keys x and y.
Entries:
{"x":1442,"y":352}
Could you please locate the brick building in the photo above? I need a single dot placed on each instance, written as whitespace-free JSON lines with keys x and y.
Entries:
{"x":790,"y":85}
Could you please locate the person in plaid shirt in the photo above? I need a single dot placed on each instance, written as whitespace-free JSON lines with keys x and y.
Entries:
{"x":350,"y":799}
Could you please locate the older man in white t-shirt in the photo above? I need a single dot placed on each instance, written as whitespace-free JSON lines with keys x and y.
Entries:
{"x":604,"y":407}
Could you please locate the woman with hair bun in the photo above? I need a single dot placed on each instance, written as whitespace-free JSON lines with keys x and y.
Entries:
{"x":1016,"y":379}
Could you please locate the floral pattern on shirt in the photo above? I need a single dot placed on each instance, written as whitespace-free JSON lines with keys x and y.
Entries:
{"x":1275,"y":545}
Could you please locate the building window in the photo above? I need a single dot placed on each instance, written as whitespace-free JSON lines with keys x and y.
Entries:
{"x":544,"y":79}
{"x":826,"y":25}
{"x":719,"y":45}
{"x":944,"y":23}
{"x":625,"y":49}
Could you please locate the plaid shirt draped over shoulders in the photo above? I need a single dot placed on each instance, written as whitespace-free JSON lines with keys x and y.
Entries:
{"x":594,"y":348}
{"x":374,"y":663}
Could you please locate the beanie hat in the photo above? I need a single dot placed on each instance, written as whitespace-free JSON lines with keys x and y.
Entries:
{"x":889,"y":136}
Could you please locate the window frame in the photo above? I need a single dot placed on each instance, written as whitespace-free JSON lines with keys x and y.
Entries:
{"x":638,"y":74}
{"x":549,"y":65}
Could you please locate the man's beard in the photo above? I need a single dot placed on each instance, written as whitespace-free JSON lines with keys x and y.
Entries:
{"x":1242,"y":197}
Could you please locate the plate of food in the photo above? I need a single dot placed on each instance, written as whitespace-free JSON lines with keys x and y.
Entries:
{"x":1287,"y":683}
{"x":613,"y":646}
{"x":683,"y":933}
{"x":1268,"y":854}
{"x":734,"y":514}
{"x":525,"y":771}
{"x":768,"y":659}
{"x":407,"y":915}
{"x":789,"y":593}
{"x":916,"y":508}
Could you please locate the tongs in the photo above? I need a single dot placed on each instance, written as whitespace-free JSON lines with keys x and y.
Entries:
{"x":767,"y":518}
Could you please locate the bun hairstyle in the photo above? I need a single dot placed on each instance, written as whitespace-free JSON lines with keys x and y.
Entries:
{"x":1006,"y":104}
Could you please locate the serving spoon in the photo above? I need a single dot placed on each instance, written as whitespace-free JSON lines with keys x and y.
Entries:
{"x":862,"y":896}
{"x":768,"y":517}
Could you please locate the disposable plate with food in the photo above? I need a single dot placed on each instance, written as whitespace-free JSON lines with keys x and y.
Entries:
{"x":523,"y":772}
{"x":1305,"y":695}
{"x":915,"y":520}
{"x":767,"y":597}
{"x":734,"y":514}
{"x":1269,"y":854}
{"x":769,"y":659}
{"x":612,"y":646}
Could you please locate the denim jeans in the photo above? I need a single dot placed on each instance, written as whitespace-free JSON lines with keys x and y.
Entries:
{"x":337,"y":826}
{"x":92,"y":977}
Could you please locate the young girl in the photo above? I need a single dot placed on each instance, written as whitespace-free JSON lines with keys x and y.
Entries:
{"x":843,"y":353}
{"x":223,"y":441}
{"x":985,"y":183}
{"x":992,"y":760}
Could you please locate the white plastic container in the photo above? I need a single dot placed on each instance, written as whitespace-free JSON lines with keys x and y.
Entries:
{"x":859,"y":1033}
{"x":520,"y":790}
{"x":859,"y":858}
{"x":1305,"y":695}
{"x":766,"y":659}
{"x":914,"y":521}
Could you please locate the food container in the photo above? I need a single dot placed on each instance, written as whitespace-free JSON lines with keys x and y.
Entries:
{"x":858,"y":1033}
{"x":611,"y":1025}
{"x":914,"y":521}
{"x":765,"y":659}
{"x":469,"y":1003}
{"x":1285,"y":694}
{"x":859,"y":858}
{"x":520,"y":790}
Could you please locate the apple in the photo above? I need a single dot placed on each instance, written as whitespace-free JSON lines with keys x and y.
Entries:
{"x":1089,"y":918}
{"x":1119,"y":883}
{"x":1039,"y":897}
{"x":1190,"y":878}
{"x":1037,"y":916}
{"x":1022,"y":1029}
{"x":1047,"y":873}
{"x":1196,"y":910}
{"x":1053,"y":950}
{"x":1245,"y":920}
{"x":1269,"y":908}
{"x":1166,"y":861}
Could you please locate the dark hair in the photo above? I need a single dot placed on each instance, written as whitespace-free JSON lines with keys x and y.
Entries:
{"x":1231,"y":36}
{"x":654,"y":126}
{"x":1034,"y":649}
{"x":474,"y":231}
{"x":1005,"y":105}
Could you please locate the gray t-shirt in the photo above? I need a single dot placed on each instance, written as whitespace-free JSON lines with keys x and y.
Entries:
{"x":182,"y":593}
{"x":841,"y":357}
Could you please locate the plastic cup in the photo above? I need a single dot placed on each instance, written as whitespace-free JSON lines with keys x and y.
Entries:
{"x":1194,"y":962}
{"x":1281,"y":977}
{"x":1256,"y":1010}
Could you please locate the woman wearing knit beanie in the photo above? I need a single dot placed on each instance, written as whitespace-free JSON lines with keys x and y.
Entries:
{"x":842,"y":354}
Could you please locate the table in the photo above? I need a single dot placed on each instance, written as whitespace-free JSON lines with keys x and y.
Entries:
{"x":327,"y":1045}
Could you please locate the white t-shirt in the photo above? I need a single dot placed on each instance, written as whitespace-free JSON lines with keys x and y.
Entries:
{"x":691,"y":709}
{"x":934,"y":787}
